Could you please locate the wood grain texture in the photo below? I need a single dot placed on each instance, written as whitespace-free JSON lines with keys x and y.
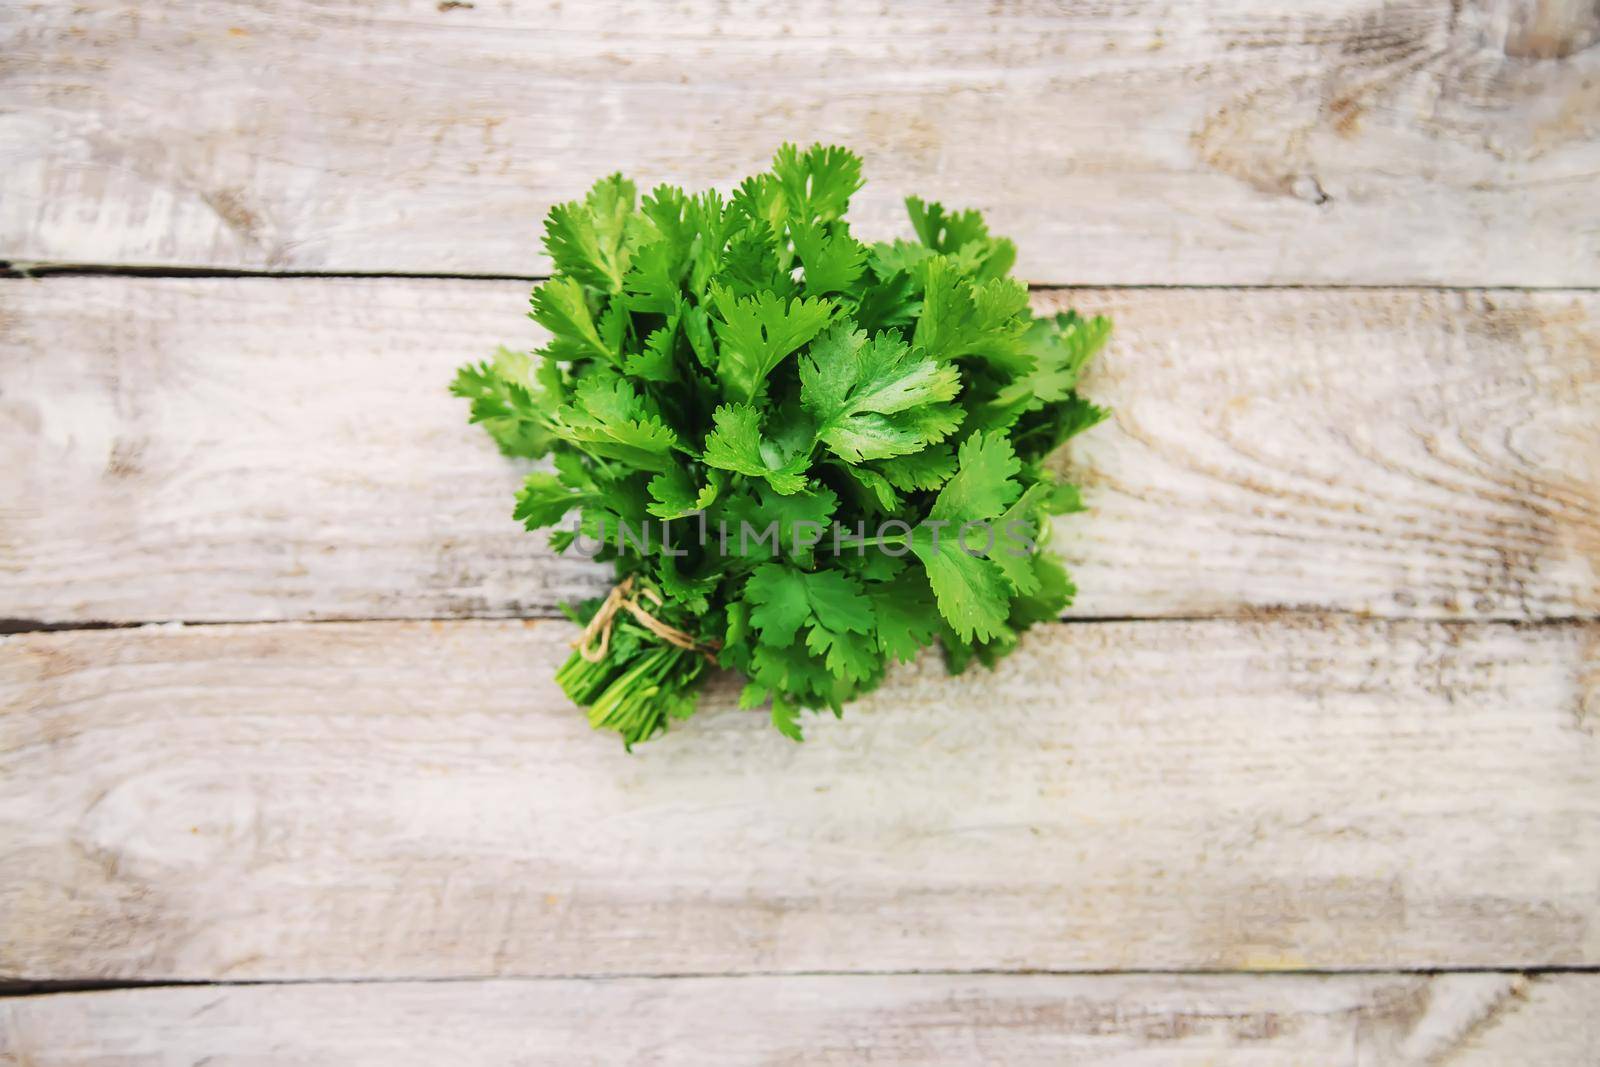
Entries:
{"x":1253,"y":141}
{"x":286,"y":449}
{"x":1462,"y":1020}
{"x":401,"y":800}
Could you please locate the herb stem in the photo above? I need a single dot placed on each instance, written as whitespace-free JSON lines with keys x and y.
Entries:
{"x":872,"y":542}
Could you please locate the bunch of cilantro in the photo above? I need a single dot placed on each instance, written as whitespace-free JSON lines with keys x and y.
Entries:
{"x":813,"y":455}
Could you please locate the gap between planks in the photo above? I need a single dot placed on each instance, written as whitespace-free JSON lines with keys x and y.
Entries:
{"x":48,"y":987}
{"x":22,"y":271}
{"x":19,"y":627}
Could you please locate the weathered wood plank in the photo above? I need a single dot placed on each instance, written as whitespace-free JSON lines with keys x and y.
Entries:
{"x":1254,"y":141}
{"x":417,"y":799}
{"x":1337,"y":1021}
{"x":281,"y":449}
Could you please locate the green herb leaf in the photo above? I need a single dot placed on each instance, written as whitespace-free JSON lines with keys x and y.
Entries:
{"x":608,"y":419}
{"x":587,"y":241}
{"x":755,"y":333}
{"x":737,"y":445}
{"x":876,"y":399}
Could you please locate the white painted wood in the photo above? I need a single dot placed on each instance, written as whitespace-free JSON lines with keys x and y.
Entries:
{"x":1290,"y":1020}
{"x":279,"y":449}
{"x":1252,"y":141}
{"x":402,"y":800}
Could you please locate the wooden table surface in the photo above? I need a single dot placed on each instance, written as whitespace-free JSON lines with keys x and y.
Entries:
{"x":1309,"y":775}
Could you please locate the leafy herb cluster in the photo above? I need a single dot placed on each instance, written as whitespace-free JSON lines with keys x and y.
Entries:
{"x":744,"y":362}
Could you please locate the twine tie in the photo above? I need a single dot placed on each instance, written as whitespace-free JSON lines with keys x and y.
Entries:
{"x":623,"y":598}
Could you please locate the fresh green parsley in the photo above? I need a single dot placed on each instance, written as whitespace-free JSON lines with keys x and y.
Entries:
{"x":815,"y":456}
